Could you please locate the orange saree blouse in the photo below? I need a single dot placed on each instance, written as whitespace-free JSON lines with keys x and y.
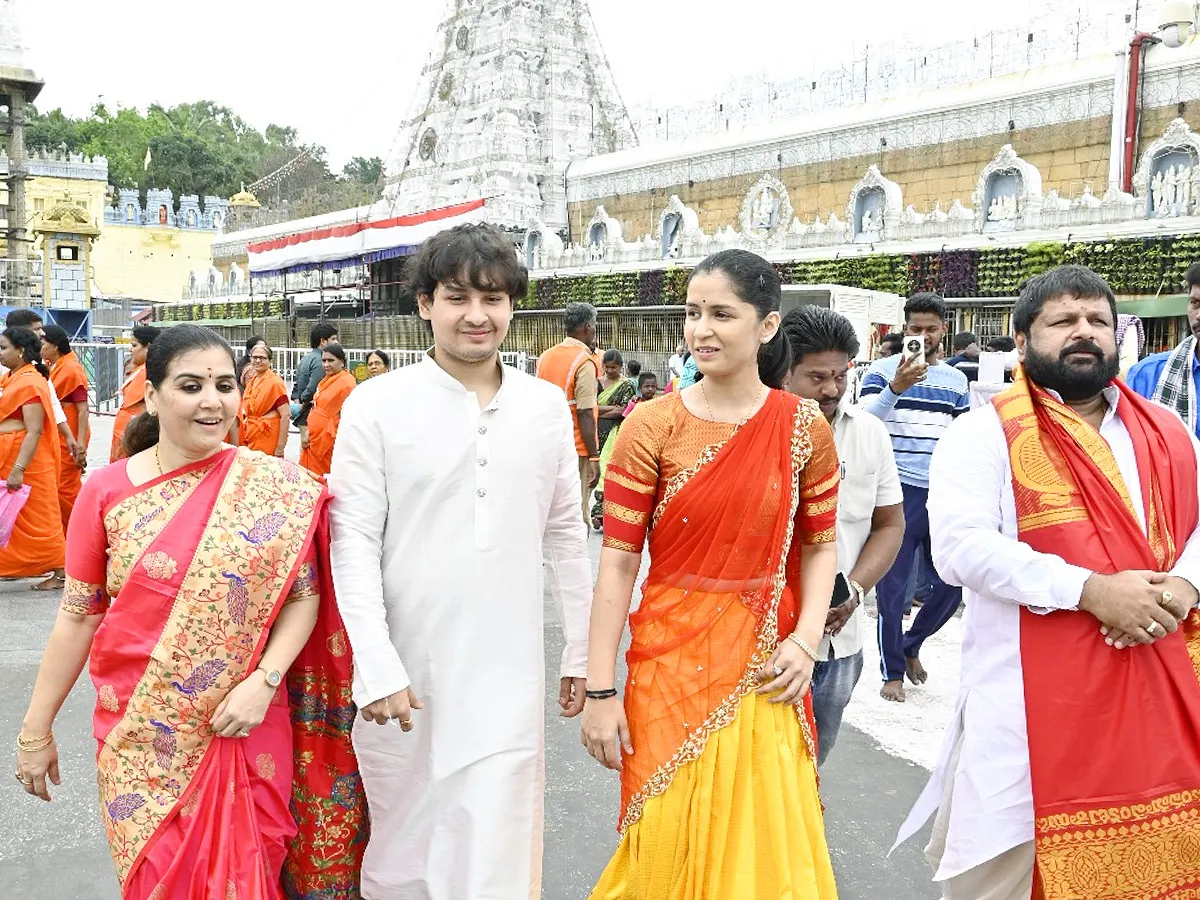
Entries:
{"x":323,"y":421}
{"x":260,"y":427}
{"x":37,"y":545}
{"x":726,"y":509}
{"x":133,"y":401}
{"x":68,"y":378}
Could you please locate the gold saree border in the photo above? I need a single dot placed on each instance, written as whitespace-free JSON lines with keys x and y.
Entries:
{"x":768,"y":638}
{"x":242,"y":565}
{"x":1132,"y":852}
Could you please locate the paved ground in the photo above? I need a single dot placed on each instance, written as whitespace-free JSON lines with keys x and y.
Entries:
{"x":57,"y":852}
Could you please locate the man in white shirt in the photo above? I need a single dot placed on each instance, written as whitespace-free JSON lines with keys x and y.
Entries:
{"x":870,"y":520}
{"x":449,"y":477}
{"x":1067,"y":510}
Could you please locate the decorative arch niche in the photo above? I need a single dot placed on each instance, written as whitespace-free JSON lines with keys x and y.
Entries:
{"x":874,"y":209}
{"x":766,"y":211}
{"x":675,"y":224}
{"x":1008,"y":194}
{"x":1167,"y":180}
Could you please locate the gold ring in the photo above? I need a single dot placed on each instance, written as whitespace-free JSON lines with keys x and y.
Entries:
{"x":1165,"y":599}
{"x":778,"y":671}
{"x":405,"y":723}
{"x":243,"y":734}
{"x":1152,"y":629}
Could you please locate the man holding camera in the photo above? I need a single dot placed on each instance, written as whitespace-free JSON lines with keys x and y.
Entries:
{"x":917,"y":397}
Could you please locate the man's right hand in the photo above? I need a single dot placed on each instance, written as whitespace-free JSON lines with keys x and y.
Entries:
{"x":910,"y":371}
{"x":1126,"y":604}
{"x":398,"y":706}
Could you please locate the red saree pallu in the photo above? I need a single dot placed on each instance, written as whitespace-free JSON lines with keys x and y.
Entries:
{"x":189,"y":815}
{"x":133,"y":401}
{"x":717,"y":599}
{"x":1114,"y":735}
{"x":67,"y":379}
{"x":36,"y":546}
{"x":323,"y":421}
{"x":259,"y":428}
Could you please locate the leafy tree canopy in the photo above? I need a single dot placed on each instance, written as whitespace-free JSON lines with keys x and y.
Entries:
{"x":207,"y":149}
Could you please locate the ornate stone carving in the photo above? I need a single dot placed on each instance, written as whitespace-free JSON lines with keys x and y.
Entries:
{"x":766,"y":211}
{"x":676,"y":224}
{"x":541,"y":244}
{"x":874,"y":208}
{"x":1168,"y":176}
{"x":602,"y":236}
{"x":1008,"y":194}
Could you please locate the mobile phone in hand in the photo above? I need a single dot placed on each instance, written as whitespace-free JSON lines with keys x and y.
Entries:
{"x":913,"y":348}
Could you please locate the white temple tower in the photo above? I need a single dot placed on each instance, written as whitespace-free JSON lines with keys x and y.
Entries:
{"x":513,"y":92}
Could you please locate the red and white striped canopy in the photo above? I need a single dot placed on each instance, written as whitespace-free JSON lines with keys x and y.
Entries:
{"x":358,"y":241}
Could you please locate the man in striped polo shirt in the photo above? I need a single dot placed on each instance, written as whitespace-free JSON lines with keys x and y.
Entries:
{"x":917,"y":401}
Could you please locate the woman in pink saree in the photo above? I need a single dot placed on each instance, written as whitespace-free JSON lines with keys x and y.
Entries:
{"x":197,"y":584}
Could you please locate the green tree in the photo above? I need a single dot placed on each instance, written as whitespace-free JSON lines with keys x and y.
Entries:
{"x":364,"y":171}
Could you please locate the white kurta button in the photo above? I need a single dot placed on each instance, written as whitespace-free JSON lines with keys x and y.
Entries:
{"x":482,"y":492}
{"x":482,"y":461}
{"x":483,"y":429}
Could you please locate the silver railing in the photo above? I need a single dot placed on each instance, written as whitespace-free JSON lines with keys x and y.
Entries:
{"x":105,"y":366}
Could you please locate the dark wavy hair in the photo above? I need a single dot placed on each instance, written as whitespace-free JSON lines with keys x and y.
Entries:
{"x":336,"y":351}
{"x":169,"y":343}
{"x":478,"y":256}
{"x":29,"y":345}
{"x":383,"y":358}
{"x":57,"y":336}
{"x":755,"y":281}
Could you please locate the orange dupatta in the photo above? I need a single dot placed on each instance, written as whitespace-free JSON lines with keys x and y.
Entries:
{"x":260,"y":429}
{"x":1114,"y":736}
{"x":323,"y":421}
{"x":67,"y":376}
{"x":37,"y":545}
{"x":133,"y":401}
{"x":721,"y":591}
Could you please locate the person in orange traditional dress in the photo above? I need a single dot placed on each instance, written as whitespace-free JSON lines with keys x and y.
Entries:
{"x":326,"y":412}
{"x":216,"y":778}
{"x":1067,"y":510}
{"x":70,"y":382}
{"x":736,"y":484}
{"x":263,"y":422}
{"x":133,"y":391}
{"x":29,"y":456}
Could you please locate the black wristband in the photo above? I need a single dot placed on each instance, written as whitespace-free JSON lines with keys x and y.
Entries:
{"x":602,"y":695}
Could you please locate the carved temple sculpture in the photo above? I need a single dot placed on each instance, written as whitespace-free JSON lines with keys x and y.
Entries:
{"x":766,"y":211}
{"x":1008,"y":195}
{"x":875,"y":207}
{"x":1167,"y":181}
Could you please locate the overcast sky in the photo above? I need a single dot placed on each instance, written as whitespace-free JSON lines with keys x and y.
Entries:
{"x":342,"y":73}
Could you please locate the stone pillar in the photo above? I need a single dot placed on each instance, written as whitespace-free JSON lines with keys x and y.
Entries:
{"x":18,"y":234}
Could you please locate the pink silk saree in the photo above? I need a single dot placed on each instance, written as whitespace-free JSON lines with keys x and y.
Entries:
{"x":198,"y":564}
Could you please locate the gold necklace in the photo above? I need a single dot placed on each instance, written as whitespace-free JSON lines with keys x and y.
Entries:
{"x":753,"y":406}
{"x":158,"y":459}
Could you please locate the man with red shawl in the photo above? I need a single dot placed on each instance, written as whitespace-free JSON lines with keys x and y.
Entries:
{"x":1067,"y":510}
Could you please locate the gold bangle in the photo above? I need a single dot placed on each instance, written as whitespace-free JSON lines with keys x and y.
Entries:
{"x":799,"y":642}
{"x":34,"y":745}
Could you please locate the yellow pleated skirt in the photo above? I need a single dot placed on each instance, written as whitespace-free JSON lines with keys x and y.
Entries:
{"x":741,"y":822}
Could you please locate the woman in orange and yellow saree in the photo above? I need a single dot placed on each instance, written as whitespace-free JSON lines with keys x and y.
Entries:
{"x":316,"y":454}
{"x":29,"y":458}
{"x":69,"y":380}
{"x":198,"y":584}
{"x":736,"y":485}
{"x":263,"y":422}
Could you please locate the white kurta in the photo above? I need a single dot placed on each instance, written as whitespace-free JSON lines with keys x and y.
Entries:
{"x":440,"y":516}
{"x":973,"y":529}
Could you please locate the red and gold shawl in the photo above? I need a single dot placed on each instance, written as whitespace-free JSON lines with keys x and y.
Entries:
{"x":1114,"y":736}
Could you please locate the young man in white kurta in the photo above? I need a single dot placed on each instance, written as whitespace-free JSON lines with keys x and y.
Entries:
{"x":443,"y":503}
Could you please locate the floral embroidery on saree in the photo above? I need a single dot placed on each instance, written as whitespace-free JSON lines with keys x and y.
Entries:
{"x":147,"y":760}
{"x":160,"y":566}
{"x":83,"y":599}
{"x":767,"y":637}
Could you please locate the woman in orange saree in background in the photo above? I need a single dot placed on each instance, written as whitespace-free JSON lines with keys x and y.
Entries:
{"x":29,"y":457}
{"x":70,"y":382}
{"x":197,"y":575}
{"x":737,"y":486}
{"x":262,"y":424}
{"x":133,"y":391}
{"x":326,"y":413}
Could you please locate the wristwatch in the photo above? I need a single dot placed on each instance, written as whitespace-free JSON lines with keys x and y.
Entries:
{"x":274,"y":677}
{"x":857,"y":593}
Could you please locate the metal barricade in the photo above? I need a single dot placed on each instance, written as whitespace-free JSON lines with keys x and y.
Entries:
{"x":105,"y":367}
